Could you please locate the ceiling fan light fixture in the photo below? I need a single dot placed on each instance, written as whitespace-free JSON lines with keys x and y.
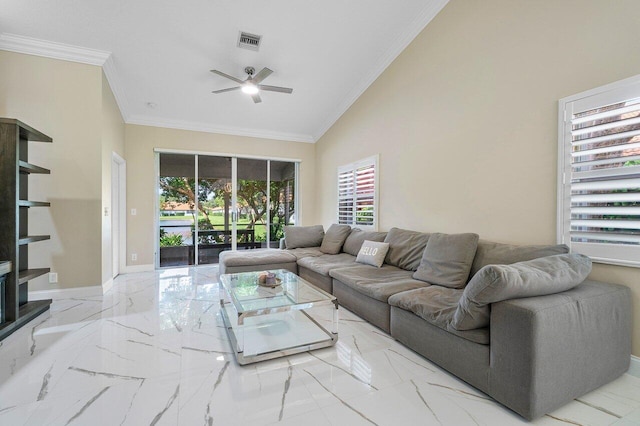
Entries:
{"x":250,"y":89}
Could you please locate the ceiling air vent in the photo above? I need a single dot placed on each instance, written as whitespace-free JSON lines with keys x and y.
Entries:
{"x":249,"y":41}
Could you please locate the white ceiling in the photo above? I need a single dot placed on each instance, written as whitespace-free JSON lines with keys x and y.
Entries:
{"x":161,"y":52}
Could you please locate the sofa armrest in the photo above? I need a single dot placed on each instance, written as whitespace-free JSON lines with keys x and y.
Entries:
{"x":548,"y":350}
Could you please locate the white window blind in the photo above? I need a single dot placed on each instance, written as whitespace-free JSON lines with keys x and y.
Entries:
{"x":357,"y":193}
{"x":599,"y":206}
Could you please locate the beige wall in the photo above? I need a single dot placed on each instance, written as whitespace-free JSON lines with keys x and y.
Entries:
{"x":63,"y":100}
{"x":139,"y":153}
{"x":465,"y":119}
{"x":112,"y":141}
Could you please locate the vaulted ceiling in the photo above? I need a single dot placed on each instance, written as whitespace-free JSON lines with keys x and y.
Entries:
{"x":159,"y":55}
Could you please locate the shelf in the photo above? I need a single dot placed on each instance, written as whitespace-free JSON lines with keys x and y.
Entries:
{"x":32,"y":168}
{"x":32,"y":239}
{"x":5,"y":267}
{"x":33,"y":308}
{"x":29,"y":274}
{"x":27,"y":312}
{"x":27,"y":131}
{"x":27,"y":203}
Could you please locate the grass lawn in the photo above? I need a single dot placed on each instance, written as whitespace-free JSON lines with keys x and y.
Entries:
{"x":218,"y":223}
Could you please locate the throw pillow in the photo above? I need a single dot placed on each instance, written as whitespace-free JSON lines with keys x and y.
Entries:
{"x":490,"y":253}
{"x":303,"y":236}
{"x":372,"y":253}
{"x":334,"y":238}
{"x":495,"y":283}
{"x":356,"y":238}
{"x":405,"y":248}
{"x":447,"y":259}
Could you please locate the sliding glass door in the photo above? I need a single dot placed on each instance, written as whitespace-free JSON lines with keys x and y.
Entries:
{"x":208,"y":204}
{"x":215,"y":202}
{"x":177,"y":204}
{"x":282,"y":199}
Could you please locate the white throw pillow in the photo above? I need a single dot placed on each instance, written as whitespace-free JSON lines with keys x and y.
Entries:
{"x":372,"y":253}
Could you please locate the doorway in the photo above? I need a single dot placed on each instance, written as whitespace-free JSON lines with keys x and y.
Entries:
{"x":211,"y":203}
{"x":118,"y":213}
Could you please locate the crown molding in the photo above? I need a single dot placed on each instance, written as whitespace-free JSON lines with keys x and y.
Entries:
{"x":403,"y":40}
{"x":50,"y":49}
{"x":116,"y":85}
{"x":208,"y":128}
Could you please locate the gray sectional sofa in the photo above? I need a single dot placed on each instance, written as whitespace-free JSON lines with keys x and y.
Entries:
{"x":520,"y":323}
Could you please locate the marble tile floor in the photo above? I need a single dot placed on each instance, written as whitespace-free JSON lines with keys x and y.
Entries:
{"x":153,"y":351}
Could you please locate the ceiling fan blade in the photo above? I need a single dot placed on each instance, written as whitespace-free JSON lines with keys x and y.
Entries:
{"x":220,"y":73}
{"x":275,"y":88}
{"x":256,"y":98}
{"x":266,"y":72}
{"x":226,"y":90}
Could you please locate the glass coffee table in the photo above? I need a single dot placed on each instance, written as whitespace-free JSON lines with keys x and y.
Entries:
{"x":271,"y":322}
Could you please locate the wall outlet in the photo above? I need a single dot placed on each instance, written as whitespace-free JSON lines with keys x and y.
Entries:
{"x":53,"y":277}
{"x":134,"y":257}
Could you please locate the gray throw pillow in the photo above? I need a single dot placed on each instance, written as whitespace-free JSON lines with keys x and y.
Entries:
{"x":495,"y":283}
{"x":372,"y":253}
{"x":491,"y":253}
{"x":334,"y":238}
{"x":356,"y":238}
{"x":447,"y":259}
{"x":405,"y":248}
{"x":303,"y":236}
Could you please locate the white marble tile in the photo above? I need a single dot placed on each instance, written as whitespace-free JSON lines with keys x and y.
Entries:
{"x":620,"y":397}
{"x":133,"y":402}
{"x":154,"y":350}
{"x":30,"y":379}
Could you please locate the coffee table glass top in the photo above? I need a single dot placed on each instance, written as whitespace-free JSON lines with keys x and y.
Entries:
{"x":293,"y":292}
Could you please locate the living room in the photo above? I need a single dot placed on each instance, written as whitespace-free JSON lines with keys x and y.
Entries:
{"x":464,"y":122}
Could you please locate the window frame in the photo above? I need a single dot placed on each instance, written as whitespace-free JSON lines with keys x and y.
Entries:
{"x":353,"y":167}
{"x":608,"y":253}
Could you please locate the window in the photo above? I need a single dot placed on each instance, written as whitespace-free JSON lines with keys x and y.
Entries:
{"x":599,"y":173}
{"x":357,"y":193}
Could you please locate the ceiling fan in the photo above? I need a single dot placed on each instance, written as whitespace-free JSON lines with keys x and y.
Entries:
{"x":251,"y":85}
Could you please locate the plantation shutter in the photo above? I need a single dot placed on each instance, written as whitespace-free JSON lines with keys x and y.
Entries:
{"x":601,"y":176}
{"x":357,"y":201}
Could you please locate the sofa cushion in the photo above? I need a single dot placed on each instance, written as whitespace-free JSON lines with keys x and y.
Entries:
{"x":254,"y":260}
{"x":537,"y":277}
{"x":447,"y":259}
{"x":334,"y":238}
{"x":490,"y":253}
{"x":301,"y":253}
{"x":372,"y":253}
{"x":405,"y":248}
{"x":437,"y":305}
{"x":255,"y":257}
{"x":356,"y":238}
{"x":325,"y":263}
{"x":303,"y":236}
{"x":377,"y":283}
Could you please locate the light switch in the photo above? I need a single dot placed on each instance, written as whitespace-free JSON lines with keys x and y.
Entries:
{"x":134,"y":212}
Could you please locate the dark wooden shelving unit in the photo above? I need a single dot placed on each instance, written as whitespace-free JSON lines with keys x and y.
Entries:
{"x":15,"y":169}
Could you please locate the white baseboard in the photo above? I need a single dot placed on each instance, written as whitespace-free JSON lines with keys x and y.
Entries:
{"x":634,"y":368}
{"x":66,"y":293}
{"x":138,"y":268}
{"x":106,"y":286}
